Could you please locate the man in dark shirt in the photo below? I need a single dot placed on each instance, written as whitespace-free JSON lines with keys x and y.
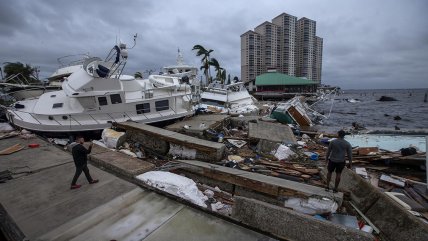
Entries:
{"x":335,"y":156}
{"x":80,"y":156}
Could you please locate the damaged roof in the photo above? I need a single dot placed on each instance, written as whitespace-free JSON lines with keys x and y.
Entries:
{"x":276,"y":78}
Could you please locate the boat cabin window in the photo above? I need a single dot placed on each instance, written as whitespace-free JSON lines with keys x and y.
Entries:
{"x":143,"y":108}
{"x":212,"y":102}
{"x":115,"y":99}
{"x":102,"y":100}
{"x":57,"y":105}
{"x":162,"y":105}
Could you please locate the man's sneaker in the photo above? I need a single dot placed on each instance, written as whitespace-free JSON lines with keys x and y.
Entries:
{"x":327,"y":189}
{"x":335,"y":190}
{"x":75,"y":186}
{"x":93,"y":181}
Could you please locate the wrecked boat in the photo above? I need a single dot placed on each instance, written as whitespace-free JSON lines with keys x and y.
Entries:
{"x":95,"y":96}
{"x":293,"y":111}
{"x":227,"y":98}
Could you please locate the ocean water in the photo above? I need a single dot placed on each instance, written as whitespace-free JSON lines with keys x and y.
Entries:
{"x":369,"y":112}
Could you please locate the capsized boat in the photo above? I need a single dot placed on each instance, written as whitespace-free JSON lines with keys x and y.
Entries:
{"x":294,"y":111}
{"x":227,"y":98}
{"x":95,"y":96}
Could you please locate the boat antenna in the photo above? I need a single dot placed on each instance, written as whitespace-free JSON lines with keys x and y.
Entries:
{"x":135,"y":40}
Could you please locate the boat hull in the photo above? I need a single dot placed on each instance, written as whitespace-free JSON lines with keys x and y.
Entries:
{"x":75,"y":127}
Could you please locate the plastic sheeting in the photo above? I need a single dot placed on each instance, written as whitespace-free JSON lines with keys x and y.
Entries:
{"x":283,"y":152}
{"x":312,"y":206}
{"x":176,"y":185}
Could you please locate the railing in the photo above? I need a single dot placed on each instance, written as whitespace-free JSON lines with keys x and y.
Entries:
{"x":16,"y":113}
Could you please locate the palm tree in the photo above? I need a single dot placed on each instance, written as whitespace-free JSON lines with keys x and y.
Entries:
{"x":138,"y":75}
{"x":201,"y":51}
{"x":213,"y":62}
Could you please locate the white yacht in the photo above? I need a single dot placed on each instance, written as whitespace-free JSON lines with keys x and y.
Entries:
{"x":181,"y":69}
{"x":232,"y":99}
{"x":99,"y":94}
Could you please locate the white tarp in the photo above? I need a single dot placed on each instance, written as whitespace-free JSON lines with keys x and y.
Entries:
{"x":176,"y":185}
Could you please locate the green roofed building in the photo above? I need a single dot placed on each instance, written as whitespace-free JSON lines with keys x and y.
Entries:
{"x":278,"y":85}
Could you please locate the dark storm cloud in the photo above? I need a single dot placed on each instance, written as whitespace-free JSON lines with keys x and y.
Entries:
{"x":367,"y":44}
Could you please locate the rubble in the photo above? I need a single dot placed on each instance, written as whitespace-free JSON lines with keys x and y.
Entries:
{"x":279,"y":164}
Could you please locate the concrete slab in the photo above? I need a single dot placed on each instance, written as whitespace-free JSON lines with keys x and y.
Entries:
{"x":258,"y":182}
{"x":119,"y":162}
{"x":145,"y":215}
{"x":198,"y":124}
{"x":43,"y":201}
{"x":201,"y":226}
{"x":42,"y":205}
{"x":31,"y":159}
{"x":160,"y":140}
{"x":273,"y":132}
{"x":291,"y":225}
{"x":131,"y":216}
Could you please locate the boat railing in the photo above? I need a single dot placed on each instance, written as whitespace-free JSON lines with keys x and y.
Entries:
{"x":67,"y":60}
{"x":127,"y":115}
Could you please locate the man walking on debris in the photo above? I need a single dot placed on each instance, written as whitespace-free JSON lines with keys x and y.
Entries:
{"x":80,"y":156}
{"x":335,"y":156}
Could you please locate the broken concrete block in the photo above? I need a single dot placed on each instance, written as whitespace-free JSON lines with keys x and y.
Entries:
{"x":271,"y":131}
{"x":159,"y":140}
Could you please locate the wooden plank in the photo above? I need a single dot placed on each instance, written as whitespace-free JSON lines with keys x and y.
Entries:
{"x":12,"y":149}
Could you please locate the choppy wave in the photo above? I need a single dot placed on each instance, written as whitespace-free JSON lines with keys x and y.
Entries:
{"x":410,"y":107}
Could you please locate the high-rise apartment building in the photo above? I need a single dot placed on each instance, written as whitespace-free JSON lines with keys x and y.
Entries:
{"x":317,"y":66}
{"x":251,"y":55}
{"x":270,"y":57}
{"x":286,"y":44}
{"x":305,"y":39}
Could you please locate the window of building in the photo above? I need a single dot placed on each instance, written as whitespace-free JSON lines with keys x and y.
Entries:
{"x":143,"y":108}
{"x":115,"y":99}
{"x":102,"y":100}
{"x":57,"y":105}
{"x":162,"y":105}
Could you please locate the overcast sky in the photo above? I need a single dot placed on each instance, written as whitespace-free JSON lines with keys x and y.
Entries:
{"x":367,"y":44}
